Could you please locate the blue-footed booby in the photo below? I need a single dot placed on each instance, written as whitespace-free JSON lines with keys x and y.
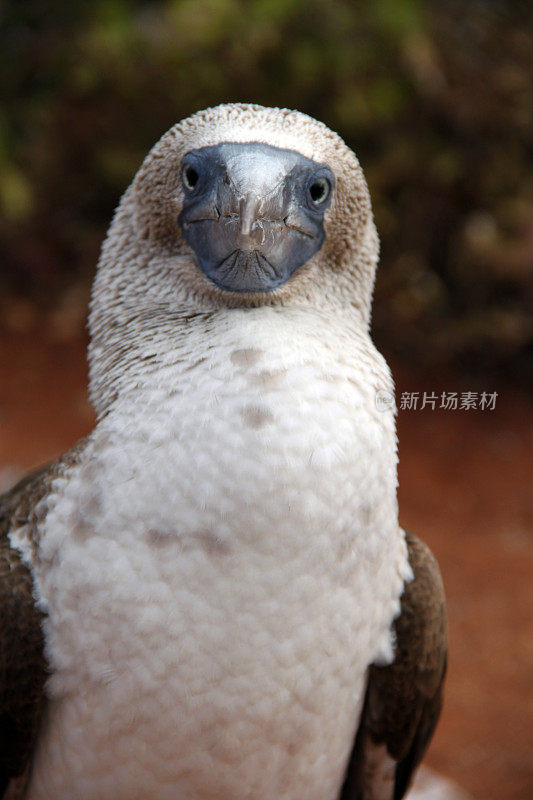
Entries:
{"x":210,"y":596}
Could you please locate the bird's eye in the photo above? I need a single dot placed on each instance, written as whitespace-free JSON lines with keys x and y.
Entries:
{"x":191,"y":176}
{"x":319,"y":191}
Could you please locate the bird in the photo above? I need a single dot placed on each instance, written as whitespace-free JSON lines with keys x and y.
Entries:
{"x":211,"y":596}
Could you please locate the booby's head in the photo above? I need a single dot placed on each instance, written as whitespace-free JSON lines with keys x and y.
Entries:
{"x":238,"y":206}
{"x":253,"y":213}
{"x":242,"y":205}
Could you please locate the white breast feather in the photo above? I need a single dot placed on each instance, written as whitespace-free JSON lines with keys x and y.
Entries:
{"x":220,"y":570}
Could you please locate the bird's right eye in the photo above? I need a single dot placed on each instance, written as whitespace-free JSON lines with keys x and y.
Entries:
{"x":191,"y":176}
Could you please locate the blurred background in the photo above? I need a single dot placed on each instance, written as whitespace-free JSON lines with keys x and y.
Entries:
{"x":436,"y":98}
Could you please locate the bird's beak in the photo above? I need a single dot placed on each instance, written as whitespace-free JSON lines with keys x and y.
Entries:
{"x":248,"y":214}
{"x":250,"y":233}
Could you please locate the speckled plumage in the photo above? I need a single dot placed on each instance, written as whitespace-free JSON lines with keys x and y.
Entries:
{"x":223,"y":562}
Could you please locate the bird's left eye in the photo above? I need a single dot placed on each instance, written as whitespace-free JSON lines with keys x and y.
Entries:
{"x":191,"y":176}
{"x":319,"y":191}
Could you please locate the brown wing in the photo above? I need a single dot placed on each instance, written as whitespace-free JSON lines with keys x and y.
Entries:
{"x":403,"y":700}
{"x":22,"y":663}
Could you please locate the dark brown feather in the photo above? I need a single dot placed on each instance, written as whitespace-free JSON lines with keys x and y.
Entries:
{"x":403,"y":700}
{"x":23,"y":667}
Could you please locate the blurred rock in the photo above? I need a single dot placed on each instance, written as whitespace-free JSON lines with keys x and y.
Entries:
{"x":430,"y":786}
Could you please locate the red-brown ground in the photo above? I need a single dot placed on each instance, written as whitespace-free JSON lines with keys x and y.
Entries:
{"x":465,"y":487}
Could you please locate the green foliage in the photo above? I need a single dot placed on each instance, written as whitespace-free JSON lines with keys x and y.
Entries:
{"x":435,"y":98}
